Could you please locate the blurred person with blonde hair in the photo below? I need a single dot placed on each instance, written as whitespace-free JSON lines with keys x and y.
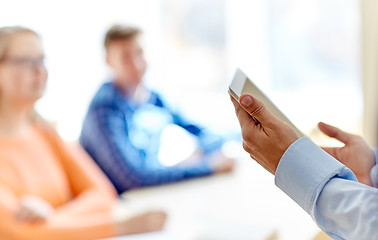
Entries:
{"x":48,"y":191}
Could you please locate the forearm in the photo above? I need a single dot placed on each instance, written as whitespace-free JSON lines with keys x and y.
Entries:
{"x":173,"y":174}
{"x":210,"y":142}
{"x":327,"y":190}
{"x":347,"y":210}
{"x":91,"y":201}
{"x":57,"y":227}
{"x":125,"y":172}
{"x":207,"y":140}
{"x":127,"y":168}
{"x":304,"y":169}
{"x":151,"y":175}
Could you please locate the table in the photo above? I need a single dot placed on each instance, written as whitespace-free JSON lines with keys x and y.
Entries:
{"x":244,"y":204}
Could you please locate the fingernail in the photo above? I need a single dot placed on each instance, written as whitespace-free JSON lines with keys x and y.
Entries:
{"x":246,"y":101}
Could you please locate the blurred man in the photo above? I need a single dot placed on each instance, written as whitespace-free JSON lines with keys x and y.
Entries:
{"x":123,"y":127}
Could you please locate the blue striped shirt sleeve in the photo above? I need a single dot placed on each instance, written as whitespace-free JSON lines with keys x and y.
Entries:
{"x":105,"y":138}
{"x":208,"y":141}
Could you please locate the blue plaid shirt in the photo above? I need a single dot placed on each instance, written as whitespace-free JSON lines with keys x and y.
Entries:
{"x":123,"y":139}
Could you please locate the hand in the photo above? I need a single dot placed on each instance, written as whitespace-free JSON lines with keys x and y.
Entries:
{"x":193,"y":160}
{"x":219,"y":163}
{"x":356,"y":154}
{"x":148,"y":222}
{"x":266,"y":137}
{"x":33,"y":209}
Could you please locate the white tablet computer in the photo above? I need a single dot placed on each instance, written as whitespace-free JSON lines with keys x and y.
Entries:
{"x":242,"y":84}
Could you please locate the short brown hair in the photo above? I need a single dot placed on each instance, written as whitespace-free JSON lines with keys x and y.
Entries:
{"x":120,"y":32}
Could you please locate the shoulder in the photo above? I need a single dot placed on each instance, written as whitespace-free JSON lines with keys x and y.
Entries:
{"x":108,"y":99}
{"x":47,"y":131}
{"x":107,"y":95}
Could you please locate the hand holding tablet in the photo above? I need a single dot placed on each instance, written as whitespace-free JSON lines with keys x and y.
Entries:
{"x":242,"y":84}
{"x":266,"y":131}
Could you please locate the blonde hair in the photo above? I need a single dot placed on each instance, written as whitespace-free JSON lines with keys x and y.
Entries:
{"x":6,"y":35}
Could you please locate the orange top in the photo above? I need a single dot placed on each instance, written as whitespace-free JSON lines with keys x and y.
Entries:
{"x":39,"y":164}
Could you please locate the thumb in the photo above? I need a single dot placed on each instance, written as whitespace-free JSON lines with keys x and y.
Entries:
{"x":334,"y":132}
{"x":256,"y":109}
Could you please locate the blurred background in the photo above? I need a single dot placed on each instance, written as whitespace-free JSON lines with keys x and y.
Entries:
{"x":304,"y":55}
{"x":315,"y":59}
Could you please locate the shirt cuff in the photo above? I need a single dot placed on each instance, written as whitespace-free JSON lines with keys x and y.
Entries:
{"x":303,"y":171}
{"x":375,"y":150}
{"x":374,"y":170}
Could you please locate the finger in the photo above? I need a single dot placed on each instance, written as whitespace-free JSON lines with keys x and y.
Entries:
{"x":246,"y":147}
{"x":243,"y":116}
{"x":256,"y":108}
{"x":23,"y":215}
{"x":33,"y":217}
{"x":29,"y":216}
{"x":334,"y":132}
{"x":251,"y":129}
{"x":20,"y":214}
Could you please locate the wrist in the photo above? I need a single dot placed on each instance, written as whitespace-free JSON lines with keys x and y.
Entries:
{"x":365,"y":180}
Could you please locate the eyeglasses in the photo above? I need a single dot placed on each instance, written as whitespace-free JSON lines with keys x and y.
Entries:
{"x":24,"y":63}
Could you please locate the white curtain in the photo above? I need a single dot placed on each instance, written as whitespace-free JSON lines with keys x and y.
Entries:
{"x":369,"y":41}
